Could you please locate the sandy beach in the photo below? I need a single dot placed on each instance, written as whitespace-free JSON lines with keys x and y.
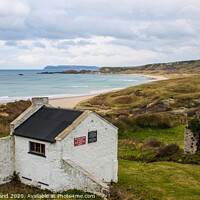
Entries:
{"x":70,"y":102}
{"x":157,"y":78}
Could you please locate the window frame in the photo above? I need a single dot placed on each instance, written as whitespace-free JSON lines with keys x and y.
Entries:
{"x":37,"y":148}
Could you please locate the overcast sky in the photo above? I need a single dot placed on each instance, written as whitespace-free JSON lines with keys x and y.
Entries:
{"x":36,"y":33}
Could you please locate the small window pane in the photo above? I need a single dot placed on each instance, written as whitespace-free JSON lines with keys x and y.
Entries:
{"x":37,"y":148}
{"x":42,"y":149}
{"x":31,"y":146}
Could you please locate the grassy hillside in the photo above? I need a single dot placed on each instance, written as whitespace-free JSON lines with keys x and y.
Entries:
{"x":172,"y":96}
{"x":160,"y":180}
{"x":9,"y":112}
{"x":183,"y":67}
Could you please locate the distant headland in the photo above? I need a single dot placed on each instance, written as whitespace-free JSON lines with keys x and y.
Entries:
{"x":71,"y":67}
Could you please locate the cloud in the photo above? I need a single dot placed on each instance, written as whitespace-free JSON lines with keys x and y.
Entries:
{"x":99,"y":31}
{"x":11,"y":43}
{"x":28,"y":59}
{"x":39,"y":44}
{"x":67,"y":44}
{"x":170,"y":30}
{"x":84,"y":19}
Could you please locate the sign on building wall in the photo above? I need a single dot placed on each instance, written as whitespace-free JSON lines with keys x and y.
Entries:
{"x":80,"y":141}
{"x":92,"y":136}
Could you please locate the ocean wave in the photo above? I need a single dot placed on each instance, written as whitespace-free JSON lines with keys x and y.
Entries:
{"x":79,"y":86}
{"x":6,"y":99}
{"x":129,"y":80}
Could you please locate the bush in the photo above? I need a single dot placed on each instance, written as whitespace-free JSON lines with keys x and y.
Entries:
{"x":168,"y":150}
{"x":99,"y":100}
{"x":123,"y":126}
{"x":117,"y":194}
{"x":153,"y":121}
{"x":124,"y":100}
{"x":13,"y":110}
{"x":194,"y":126}
{"x":71,"y":71}
{"x":153,"y":142}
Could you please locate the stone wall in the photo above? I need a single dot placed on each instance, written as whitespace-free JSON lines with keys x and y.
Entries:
{"x":80,"y":179}
{"x":6,"y":159}
{"x":190,"y":142}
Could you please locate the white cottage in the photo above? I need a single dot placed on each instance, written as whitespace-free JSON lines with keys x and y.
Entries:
{"x":61,"y":149}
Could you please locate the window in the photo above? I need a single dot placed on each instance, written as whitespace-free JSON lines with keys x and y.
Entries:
{"x":92,"y":136}
{"x":37,"y":148}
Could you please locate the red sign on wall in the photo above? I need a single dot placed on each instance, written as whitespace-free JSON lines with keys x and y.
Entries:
{"x":80,"y":141}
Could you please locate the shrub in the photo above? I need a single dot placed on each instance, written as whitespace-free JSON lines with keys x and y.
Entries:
{"x":153,"y":142}
{"x":194,"y":126}
{"x":168,"y":150}
{"x":117,"y":194}
{"x":13,"y":110}
{"x":4,"y":129}
{"x":121,"y":111}
{"x":153,"y":121}
{"x":124,"y":100}
{"x":99,"y":100}
{"x":71,"y":71}
{"x":126,"y":124}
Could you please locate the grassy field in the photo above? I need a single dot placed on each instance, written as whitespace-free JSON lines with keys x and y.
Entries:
{"x":167,"y":136}
{"x":159,"y":180}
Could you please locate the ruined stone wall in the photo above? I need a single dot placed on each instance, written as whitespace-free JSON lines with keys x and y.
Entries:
{"x":6,"y":159}
{"x":190,"y":142}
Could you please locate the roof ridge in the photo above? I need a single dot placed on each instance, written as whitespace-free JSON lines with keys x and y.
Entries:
{"x":59,"y":108}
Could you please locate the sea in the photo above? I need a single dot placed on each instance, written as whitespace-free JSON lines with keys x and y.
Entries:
{"x":14,"y":87}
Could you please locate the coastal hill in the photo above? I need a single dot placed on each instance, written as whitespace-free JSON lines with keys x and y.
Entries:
{"x":167,"y":69}
{"x":71,"y":67}
{"x":182,"y":67}
{"x":179,"y":96}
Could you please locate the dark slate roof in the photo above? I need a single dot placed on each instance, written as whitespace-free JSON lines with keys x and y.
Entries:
{"x":47,"y":123}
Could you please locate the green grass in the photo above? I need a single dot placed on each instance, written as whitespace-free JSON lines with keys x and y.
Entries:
{"x":132,"y":146}
{"x":167,"y":136}
{"x":4,"y":135}
{"x":160,"y":180}
{"x":130,"y":150}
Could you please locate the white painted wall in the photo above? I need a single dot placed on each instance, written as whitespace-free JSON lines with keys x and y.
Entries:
{"x":98,"y":158}
{"x":36,"y":167}
{"x":51,"y":169}
{"x":6,"y":159}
